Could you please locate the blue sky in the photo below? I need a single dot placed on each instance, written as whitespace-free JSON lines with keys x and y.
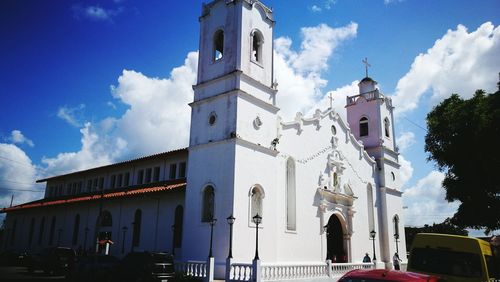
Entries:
{"x":78,"y":78}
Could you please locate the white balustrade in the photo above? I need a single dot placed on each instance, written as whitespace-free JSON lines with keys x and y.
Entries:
{"x":192,"y":268}
{"x":339,"y":269}
{"x":276,"y":272}
{"x":240,"y":272}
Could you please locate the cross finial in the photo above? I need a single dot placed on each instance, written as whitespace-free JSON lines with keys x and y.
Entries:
{"x":330,"y":96}
{"x":367,"y":65}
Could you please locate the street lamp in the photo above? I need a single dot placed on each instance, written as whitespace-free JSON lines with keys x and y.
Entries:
{"x":124,"y":228}
{"x":325,"y":230}
{"x":173,"y":239}
{"x":257,"y":219}
{"x":85,"y":239}
{"x":396,"y":237}
{"x":372,"y":236}
{"x":230,"y":220}
{"x":59,"y":231}
{"x":212,"y":223}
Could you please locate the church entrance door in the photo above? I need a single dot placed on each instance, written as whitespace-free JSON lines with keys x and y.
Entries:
{"x":335,"y":241}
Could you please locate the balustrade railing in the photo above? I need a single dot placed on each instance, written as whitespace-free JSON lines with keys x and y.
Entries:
{"x":192,"y":268}
{"x":241,"y":272}
{"x":339,"y":269}
{"x":276,"y":272}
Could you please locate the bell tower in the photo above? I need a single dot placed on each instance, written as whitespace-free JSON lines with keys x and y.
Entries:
{"x":370,"y":117}
{"x":233,"y":123}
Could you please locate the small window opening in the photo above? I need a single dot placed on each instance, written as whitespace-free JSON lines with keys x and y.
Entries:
{"x":386,"y":127}
{"x":363,"y":127}
{"x":257,"y":42}
{"x":218,"y":45}
{"x":208,"y":206}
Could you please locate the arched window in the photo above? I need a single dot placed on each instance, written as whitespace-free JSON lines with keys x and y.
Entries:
{"x":395,"y":220}
{"x":76,"y":229}
{"x":208,"y":205}
{"x":41,"y":231}
{"x":218,"y":45}
{"x":106,"y":219}
{"x":179,"y":214}
{"x":386,"y":127}
{"x":257,"y":42}
{"x":371,"y":216}
{"x":136,"y":235}
{"x":32,"y":230}
{"x":256,"y":196}
{"x":290,"y":195}
{"x":52,"y":230}
{"x":363,"y":127}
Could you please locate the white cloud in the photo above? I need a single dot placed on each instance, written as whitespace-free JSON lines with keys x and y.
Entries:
{"x":157,"y":120}
{"x":386,"y":2}
{"x":426,"y":201}
{"x":96,"y":13}
{"x":405,"y":171}
{"x":405,"y":140}
{"x":299,"y":73}
{"x":73,"y":116}
{"x":339,"y":96}
{"x":315,"y":8}
{"x":327,"y":5}
{"x":17,"y":137}
{"x":459,"y":62}
{"x":17,"y":173}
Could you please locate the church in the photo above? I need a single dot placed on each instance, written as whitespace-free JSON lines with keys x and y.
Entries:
{"x":250,"y":186}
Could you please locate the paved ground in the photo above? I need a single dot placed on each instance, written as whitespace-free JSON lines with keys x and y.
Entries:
{"x":20,"y":274}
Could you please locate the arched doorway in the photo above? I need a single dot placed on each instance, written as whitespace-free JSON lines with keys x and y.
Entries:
{"x":335,"y":240}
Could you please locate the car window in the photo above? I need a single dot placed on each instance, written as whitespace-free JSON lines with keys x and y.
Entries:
{"x":446,"y":262}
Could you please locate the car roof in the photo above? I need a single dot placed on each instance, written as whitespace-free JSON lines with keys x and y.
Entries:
{"x":389,"y":275}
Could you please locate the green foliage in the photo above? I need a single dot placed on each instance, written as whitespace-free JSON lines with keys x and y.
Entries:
{"x":446,"y":227}
{"x":463,"y":139}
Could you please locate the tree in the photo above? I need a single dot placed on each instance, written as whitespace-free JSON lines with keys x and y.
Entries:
{"x":463,"y":139}
{"x":446,"y":227}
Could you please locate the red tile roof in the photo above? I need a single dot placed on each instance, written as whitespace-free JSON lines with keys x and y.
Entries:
{"x":155,"y":156}
{"x":108,"y":195}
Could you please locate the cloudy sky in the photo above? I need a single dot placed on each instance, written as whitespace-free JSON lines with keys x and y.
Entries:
{"x":87,"y":83}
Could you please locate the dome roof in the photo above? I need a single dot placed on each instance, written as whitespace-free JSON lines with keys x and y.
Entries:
{"x":367,"y":79}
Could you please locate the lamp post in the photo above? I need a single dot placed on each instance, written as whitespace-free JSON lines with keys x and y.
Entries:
{"x":124,"y":229}
{"x":85,"y":239}
{"x":59,"y":231}
{"x":325,"y":230}
{"x":212,"y":223}
{"x":230,"y":220}
{"x":396,"y":237}
{"x":173,"y":239}
{"x":257,"y":219}
{"x":372,"y":237}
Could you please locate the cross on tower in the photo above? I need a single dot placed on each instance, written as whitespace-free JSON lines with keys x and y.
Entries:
{"x":330,"y":96}
{"x":367,"y":65}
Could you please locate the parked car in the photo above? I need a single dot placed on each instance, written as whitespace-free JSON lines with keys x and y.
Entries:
{"x":378,"y":275}
{"x":56,"y":260}
{"x":146,"y":266}
{"x":95,"y":267}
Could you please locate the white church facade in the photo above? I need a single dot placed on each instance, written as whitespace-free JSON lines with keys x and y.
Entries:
{"x":325,"y":188}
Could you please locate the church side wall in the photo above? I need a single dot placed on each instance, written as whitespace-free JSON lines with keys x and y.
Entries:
{"x":209,"y":164}
{"x":156,"y":235}
{"x":253,"y":167}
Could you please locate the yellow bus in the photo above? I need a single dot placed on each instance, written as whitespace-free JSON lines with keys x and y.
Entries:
{"x":453,"y":258}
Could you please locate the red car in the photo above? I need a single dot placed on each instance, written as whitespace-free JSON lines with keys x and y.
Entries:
{"x":377,"y":275}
